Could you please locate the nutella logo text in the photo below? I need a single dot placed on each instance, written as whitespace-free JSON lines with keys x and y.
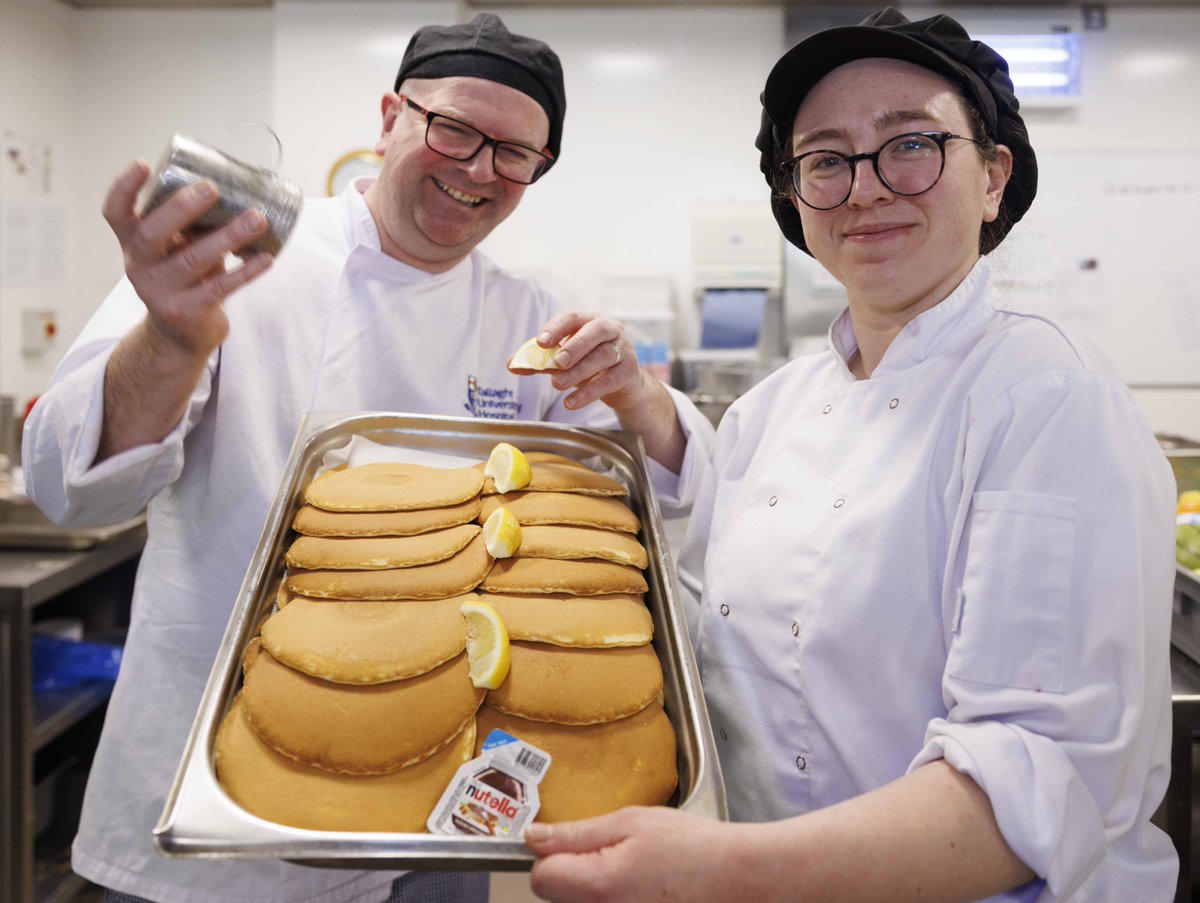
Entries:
{"x":493,"y":800}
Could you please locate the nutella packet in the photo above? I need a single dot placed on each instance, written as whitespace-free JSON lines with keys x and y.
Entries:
{"x":495,"y":794}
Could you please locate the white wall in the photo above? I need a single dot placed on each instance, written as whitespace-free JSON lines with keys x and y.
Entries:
{"x":36,"y":100}
{"x":1138,"y":80}
{"x":662,"y":113}
{"x":333,"y":62}
{"x":105,"y":86}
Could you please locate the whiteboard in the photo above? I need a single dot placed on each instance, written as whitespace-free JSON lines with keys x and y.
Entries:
{"x":1111,"y":250}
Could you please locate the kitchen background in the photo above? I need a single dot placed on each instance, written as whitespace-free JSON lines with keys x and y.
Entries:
{"x":656,"y":214}
{"x":658,"y":195}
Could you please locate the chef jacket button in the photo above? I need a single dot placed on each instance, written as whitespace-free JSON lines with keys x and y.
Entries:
{"x":801,"y":763}
{"x":724,"y":609}
{"x":827,"y":409}
{"x":795,"y":629}
{"x":724,"y":736}
{"x":773,"y":500}
{"x":838,"y":503}
{"x":892,"y":404}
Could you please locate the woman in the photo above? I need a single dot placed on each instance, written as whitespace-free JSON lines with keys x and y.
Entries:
{"x":933,"y":633}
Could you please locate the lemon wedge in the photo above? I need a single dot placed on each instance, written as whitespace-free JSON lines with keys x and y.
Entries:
{"x":532,"y":356}
{"x":487,"y":645}
{"x":508,"y":467}
{"x":502,"y":533}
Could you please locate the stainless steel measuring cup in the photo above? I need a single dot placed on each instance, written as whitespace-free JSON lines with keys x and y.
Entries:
{"x":241,"y":186}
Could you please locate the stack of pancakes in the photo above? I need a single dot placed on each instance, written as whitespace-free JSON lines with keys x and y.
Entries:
{"x":585,"y":684}
{"x":357,"y":708}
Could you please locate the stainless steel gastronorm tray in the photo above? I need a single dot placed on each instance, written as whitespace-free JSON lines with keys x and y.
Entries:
{"x":200,"y":821}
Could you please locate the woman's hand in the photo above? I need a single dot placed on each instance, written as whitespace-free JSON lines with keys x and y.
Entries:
{"x":598,"y":360}
{"x":635,"y":854}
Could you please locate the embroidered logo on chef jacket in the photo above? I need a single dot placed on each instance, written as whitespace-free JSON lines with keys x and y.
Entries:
{"x":498,"y":404}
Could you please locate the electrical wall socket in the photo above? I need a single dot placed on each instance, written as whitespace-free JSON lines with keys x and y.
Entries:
{"x":38,"y":331}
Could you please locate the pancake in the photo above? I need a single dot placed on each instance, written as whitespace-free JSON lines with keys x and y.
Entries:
{"x":452,"y":577}
{"x":366,"y":642}
{"x":564,"y":508}
{"x":282,"y":594}
{"x":596,"y":768}
{"x":379,"y":552}
{"x":393,"y":487}
{"x":585,"y":577}
{"x":569,"y":543}
{"x":373,"y":729}
{"x":593,"y":621}
{"x":312,"y":521}
{"x":554,"y":476}
{"x":578,"y":686}
{"x":275,"y":788}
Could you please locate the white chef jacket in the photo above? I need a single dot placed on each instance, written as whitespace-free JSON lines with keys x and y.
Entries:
{"x":336,"y":325}
{"x":967,"y":556}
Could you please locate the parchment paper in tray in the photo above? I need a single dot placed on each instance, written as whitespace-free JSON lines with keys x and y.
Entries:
{"x":200,"y":821}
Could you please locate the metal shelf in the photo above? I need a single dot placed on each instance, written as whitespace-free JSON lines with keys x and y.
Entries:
{"x":29,"y":722}
{"x":55,"y":711}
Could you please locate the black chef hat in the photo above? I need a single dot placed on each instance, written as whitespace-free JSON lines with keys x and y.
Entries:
{"x":938,"y":43}
{"x":484,"y":48}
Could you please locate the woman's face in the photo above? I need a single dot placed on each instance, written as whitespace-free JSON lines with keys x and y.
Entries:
{"x":898,"y":255}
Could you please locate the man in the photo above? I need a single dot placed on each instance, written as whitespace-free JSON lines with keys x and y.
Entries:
{"x":185,"y":390}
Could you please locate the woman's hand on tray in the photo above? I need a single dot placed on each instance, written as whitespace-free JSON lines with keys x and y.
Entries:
{"x":638,"y":853}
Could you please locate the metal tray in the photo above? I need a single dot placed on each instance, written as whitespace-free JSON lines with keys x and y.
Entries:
{"x":200,"y":821}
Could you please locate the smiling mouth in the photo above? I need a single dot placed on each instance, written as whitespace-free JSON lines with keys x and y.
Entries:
{"x":469,"y":200}
{"x":866,"y":233}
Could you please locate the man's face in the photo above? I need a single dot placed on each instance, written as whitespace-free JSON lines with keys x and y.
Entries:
{"x":896,"y":253}
{"x":431,"y":210}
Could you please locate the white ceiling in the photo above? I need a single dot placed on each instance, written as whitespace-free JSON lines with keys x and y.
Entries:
{"x":806,"y":4}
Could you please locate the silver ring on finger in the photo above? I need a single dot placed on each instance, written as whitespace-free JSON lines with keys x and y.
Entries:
{"x":617,"y":349}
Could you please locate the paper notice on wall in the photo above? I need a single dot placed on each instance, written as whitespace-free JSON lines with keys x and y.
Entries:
{"x":32,"y":242}
{"x":25,"y":165}
{"x":1185,"y":313}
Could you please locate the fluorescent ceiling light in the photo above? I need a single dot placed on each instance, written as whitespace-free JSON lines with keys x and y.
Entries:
{"x":1041,"y":65}
{"x":625,"y":63}
{"x":1040,"y":80}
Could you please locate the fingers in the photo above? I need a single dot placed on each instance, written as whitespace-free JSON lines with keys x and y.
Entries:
{"x":119,"y":201}
{"x":569,"y":878}
{"x":184,"y":266}
{"x":575,"y":836}
{"x":575,"y":859}
{"x":156,"y":234}
{"x":598,"y":361}
{"x":560,"y":326}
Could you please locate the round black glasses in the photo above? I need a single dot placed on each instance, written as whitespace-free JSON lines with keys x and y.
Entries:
{"x":908,"y":165}
{"x":459,"y":141}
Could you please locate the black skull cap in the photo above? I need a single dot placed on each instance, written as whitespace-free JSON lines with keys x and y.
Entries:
{"x":938,"y":43}
{"x":485,"y":48}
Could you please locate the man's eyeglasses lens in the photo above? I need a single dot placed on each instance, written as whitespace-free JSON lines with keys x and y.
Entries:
{"x":459,"y":141}
{"x":907,"y":164}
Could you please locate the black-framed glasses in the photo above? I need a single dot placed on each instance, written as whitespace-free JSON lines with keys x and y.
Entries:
{"x":459,"y":141}
{"x":907,"y":165}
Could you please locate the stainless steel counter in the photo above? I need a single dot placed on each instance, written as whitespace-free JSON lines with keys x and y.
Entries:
{"x":30,"y":578}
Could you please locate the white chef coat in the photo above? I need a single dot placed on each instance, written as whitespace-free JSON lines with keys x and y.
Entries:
{"x":335,"y":326}
{"x":966,"y":556}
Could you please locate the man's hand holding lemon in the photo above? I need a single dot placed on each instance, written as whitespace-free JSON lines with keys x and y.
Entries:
{"x":597,"y":361}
